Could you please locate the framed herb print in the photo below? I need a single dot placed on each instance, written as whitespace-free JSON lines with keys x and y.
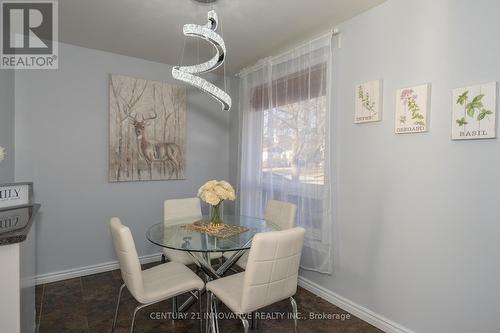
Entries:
{"x":412,"y":109}
{"x":474,"y":112}
{"x":368,"y":105}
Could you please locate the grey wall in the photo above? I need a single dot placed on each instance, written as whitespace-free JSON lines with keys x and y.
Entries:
{"x":7,"y":120}
{"x":61,"y":144}
{"x":418,"y":221}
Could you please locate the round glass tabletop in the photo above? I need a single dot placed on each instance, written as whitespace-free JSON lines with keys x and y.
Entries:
{"x":174,"y":236}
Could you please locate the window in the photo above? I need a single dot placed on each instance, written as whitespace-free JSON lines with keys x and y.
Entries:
{"x":285,"y":143}
{"x":294,"y":142}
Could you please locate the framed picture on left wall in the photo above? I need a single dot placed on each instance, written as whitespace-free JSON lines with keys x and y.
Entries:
{"x":368,"y":105}
{"x":147,"y":130}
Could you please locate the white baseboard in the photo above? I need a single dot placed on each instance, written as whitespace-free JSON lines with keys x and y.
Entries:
{"x":357,"y":310}
{"x":89,"y":270}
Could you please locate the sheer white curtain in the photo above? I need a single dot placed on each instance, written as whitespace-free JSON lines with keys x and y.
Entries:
{"x":285,"y":143}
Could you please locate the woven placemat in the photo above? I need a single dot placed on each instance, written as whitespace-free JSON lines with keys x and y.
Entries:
{"x":220,"y":231}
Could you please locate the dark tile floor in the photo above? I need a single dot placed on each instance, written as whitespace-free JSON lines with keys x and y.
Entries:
{"x":87,"y":305}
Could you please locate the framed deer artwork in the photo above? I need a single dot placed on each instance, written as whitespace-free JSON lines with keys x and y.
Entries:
{"x":147,"y":130}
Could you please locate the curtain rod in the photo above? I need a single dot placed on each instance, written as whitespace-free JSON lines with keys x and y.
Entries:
{"x":333,"y":32}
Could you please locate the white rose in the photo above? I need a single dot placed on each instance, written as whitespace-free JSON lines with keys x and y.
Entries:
{"x":207,"y":187}
{"x":210,"y":185}
{"x":200,"y":192}
{"x":231,"y":195}
{"x":226,"y":185}
{"x":221,"y":192}
{"x":201,"y":195}
{"x":211,"y":198}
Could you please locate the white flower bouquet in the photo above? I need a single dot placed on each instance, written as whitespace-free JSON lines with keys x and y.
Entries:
{"x":214,"y":192}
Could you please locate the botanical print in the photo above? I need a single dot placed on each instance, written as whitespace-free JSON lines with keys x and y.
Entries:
{"x":368,"y":102}
{"x":411,"y":109}
{"x":147,"y":130}
{"x":474,"y":112}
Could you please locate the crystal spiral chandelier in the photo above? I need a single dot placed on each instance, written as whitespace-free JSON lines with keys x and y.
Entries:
{"x":188,"y":73}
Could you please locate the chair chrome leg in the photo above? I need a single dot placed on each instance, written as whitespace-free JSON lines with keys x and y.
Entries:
{"x":254,"y":322}
{"x":209,"y":313}
{"x":214,"y":324}
{"x":246,"y":326}
{"x":295,"y":314}
{"x":117,"y":307}
{"x":133,"y":318}
{"x":175,"y":308}
{"x":216,"y":319}
{"x":200,"y":313}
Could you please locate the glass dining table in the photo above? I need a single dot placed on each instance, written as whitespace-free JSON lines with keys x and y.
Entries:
{"x":202,"y":247}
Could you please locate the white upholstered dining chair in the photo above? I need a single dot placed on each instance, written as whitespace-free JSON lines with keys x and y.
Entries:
{"x":271,"y":276}
{"x":174,"y":209}
{"x":280,"y":213}
{"x":152,"y":285}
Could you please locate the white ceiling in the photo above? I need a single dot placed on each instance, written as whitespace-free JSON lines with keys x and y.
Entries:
{"x":152,"y":29}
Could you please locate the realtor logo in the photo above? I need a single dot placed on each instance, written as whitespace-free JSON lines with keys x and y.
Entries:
{"x":29,"y":35}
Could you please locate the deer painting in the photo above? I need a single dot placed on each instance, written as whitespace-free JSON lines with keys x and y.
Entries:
{"x":153,"y":151}
{"x":147,"y":128}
